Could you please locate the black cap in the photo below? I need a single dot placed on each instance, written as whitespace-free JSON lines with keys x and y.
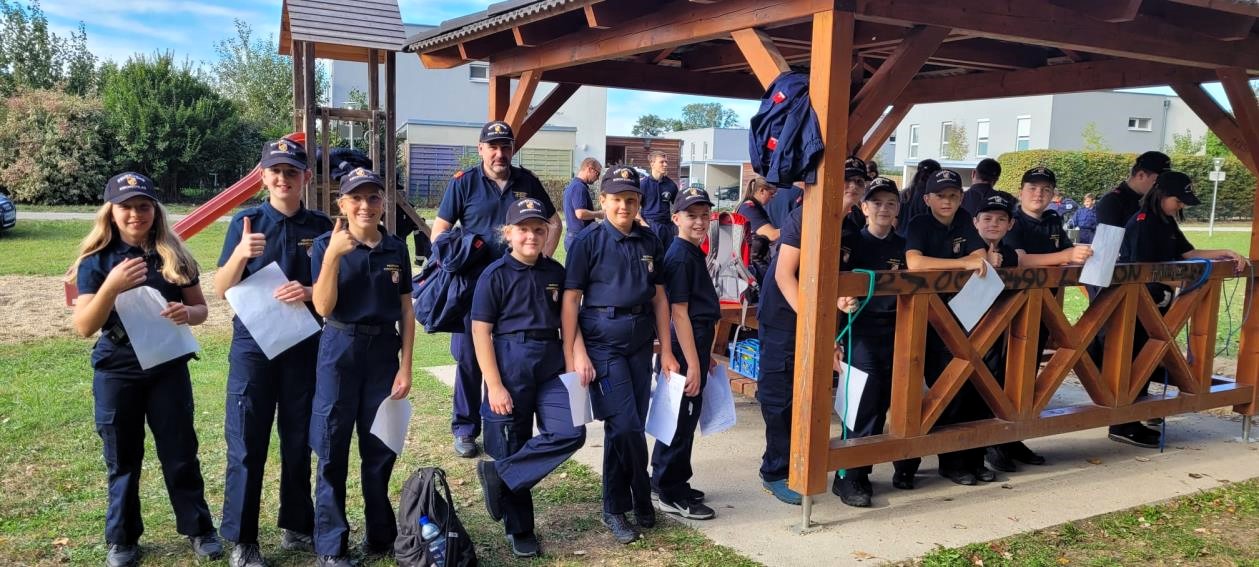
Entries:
{"x":988,"y":168}
{"x":1041,"y":173}
{"x":998,"y":201}
{"x":525,"y":209}
{"x":855,"y":167}
{"x":359,"y":177}
{"x":944,"y":179}
{"x":620,"y":179}
{"x":1156,"y":162}
{"x":881,"y":185}
{"x":691,"y":196}
{"x":283,"y":151}
{"x":497,"y":131}
{"x":129,"y":184}
{"x":1177,"y":184}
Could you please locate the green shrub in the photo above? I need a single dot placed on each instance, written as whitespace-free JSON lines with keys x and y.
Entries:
{"x":52,"y":148}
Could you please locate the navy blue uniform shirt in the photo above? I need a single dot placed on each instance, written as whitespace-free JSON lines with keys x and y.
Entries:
{"x":369,"y":280}
{"x":755,"y":213}
{"x":613,"y":269}
{"x":787,"y":199}
{"x":1009,"y":256}
{"x":773,"y":309}
{"x":515,"y":296}
{"x":687,"y":281}
{"x":934,"y":240}
{"x":576,"y":196}
{"x":289,"y":240}
{"x":658,"y":199}
{"x":862,"y":250}
{"x":1117,"y":206}
{"x":1153,"y":238}
{"x":475,"y":201}
{"x":976,"y":196}
{"x":1038,"y":236}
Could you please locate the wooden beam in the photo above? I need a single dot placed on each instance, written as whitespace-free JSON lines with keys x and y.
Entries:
{"x":641,"y":76}
{"x":611,"y":13}
{"x":984,"y":54}
{"x":762,"y":55}
{"x":500,"y":96}
{"x":883,"y":130}
{"x":389,"y":153}
{"x":1246,"y":110}
{"x":483,"y":47}
{"x":522,"y":98}
{"x":1041,"y":23}
{"x":728,"y":57}
{"x":447,"y":58}
{"x":891,"y":78}
{"x":1109,"y":11}
{"x":544,"y":111}
{"x":1216,"y":24}
{"x":1217,"y":119}
{"x":308,"y":112}
{"x":1231,"y":6}
{"x":819,"y":255}
{"x":299,"y":86}
{"x":531,"y":34}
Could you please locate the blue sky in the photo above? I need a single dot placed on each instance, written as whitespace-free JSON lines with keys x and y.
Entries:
{"x":118,"y":28}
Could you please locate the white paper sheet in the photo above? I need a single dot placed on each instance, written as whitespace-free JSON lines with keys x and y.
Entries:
{"x":974,"y":299}
{"x":155,"y":338}
{"x":856,"y":379}
{"x":1100,"y":267}
{"x":578,"y":399}
{"x":275,"y":325}
{"x":666,"y":405}
{"x":718,"y":413}
{"x":392,"y":419}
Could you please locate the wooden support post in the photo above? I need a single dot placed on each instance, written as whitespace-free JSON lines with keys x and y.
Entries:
{"x":299,"y":84}
{"x":1218,"y":120}
{"x":1117,"y":366}
{"x":373,"y":104}
{"x":766,"y":61}
{"x":883,"y":130}
{"x":891,"y":79}
{"x":544,"y":111}
{"x":907,"y":370}
{"x":1203,"y":326}
{"x":819,"y":262}
{"x":500,"y":96}
{"x":308,"y":112}
{"x":1023,"y":356}
{"x":1246,"y":111}
{"x":324,"y":194}
{"x":389,"y":153}
{"x":522,"y":98}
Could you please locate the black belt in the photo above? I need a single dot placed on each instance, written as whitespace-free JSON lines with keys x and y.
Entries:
{"x":534,"y":335}
{"x":635,"y":310}
{"x":354,"y":329}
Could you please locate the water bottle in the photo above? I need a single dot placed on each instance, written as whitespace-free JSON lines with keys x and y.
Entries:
{"x":431,"y":533}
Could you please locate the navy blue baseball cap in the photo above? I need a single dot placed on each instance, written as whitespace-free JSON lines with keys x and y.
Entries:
{"x":855,"y":167}
{"x":525,"y":209}
{"x":691,"y":196}
{"x":497,"y":131}
{"x":620,"y":179}
{"x":359,"y":177}
{"x":999,"y":201}
{"x":1156,"y":162}
{"x":944,"y":179}
{"x":881,"y":185}
{"x":130,"y":184}
{"x":1041,"y":173}
{"x":1177,"y":184}
{"x":283,"y":151}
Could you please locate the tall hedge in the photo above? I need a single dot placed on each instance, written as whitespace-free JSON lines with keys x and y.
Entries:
{"x":1082,"y":172}
{"x":52,"y":147}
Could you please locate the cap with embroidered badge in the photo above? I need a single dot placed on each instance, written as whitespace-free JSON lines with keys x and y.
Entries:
{"x":999,"y":201}
{"x":525,"y":209}
{"x":283,"y":151}
{"x":944,"y":179}
{"x":1177,"y":184}
{"x":359,"y":177}
{"x":620,"y":179}
{"x":1040,"y":173}
{"x":497,"y":131}
{"x":855,"y":167}
{"x":689,"y":197}
{"x":1157,"y":162}
{"x":881,"y":185}
{"x":130,"y":184}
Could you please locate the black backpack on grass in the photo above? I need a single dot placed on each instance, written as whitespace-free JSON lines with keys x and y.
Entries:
{"x":426,"y":493}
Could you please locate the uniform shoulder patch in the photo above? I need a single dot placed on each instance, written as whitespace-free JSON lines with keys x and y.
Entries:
{"x":458,"y":174}
{"x":1140,"y":217}
{"x":749,"y":203}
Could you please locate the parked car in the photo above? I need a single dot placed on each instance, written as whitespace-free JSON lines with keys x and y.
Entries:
{"x":8,"y":213}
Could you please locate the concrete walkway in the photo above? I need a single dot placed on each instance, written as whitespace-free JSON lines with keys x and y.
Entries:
{"x":1087,"y":475}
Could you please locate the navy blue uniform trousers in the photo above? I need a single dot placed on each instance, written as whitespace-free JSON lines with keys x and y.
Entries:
{"x":465,"y":418}
{"x":620,"y":348}
{"x":774,"y":393}
{"x":124,"y":400}
{"x":530,"y":371}
{"x":967,"y":405}
{"x":257,"y":390}
{"x":671,"y":464}
{"x":874,"y":354}
{"x":665,"y":230}
{"x":354,"y":375}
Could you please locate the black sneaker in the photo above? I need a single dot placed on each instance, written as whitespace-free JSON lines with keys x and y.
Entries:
{"x":689,"y":509}
{"x":693,"y":495}
{"x":207,"y":545}
{"x":1020,"y":452}
{"x":466,"y":447}
{"x":1135,"y":434}
{"x":999,"y":460}
{"x":372,"y":552}
{"x":246,"y":555}
{"x":122,"y":555}
{"x":620,"y":528}
{"x":524,"y":545}
{"x":645,"y":519}
{"x":852,"y":491}
{"x":332,"y":561}
{"x":982,"y":474}
{"x":492,"y":488}
{"x":296,"y":541}
{"x":964,"y":478}
{"x":903,"y":480}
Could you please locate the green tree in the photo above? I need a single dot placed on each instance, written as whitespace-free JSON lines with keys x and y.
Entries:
{"x":1214,"y":146}
{"x":1094,"y":141}
{"x":707,"y":115}
{"x":653,"y":125}
{"x":52,"y":147}
{"x":1185,"y":144}
{"x":31,"y":54}
{"x":956,"y":147}
{"x":251,"y":72}
{"x":80,"y":64}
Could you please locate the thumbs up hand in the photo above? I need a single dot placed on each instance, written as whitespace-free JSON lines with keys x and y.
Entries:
{"x":994,"y":256}
{"x":251,"y":243}
{"x":342,"y":242}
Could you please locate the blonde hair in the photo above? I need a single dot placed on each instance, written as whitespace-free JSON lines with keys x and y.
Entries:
{"x":178,"y":265}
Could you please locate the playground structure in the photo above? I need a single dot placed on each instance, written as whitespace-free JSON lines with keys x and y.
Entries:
{"x":864,"y":56}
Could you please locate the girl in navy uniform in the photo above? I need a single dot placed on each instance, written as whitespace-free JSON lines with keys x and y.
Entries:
{"x":516,"y":331}
{"x":363,"y":288}
{"x":280,"y":230}
{"x":696,"y":309}
{"x":614,"y":296}
{"x":757,"y":195}
{"x":132,"y":245}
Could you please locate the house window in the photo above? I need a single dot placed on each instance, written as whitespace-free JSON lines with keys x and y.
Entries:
{"x":705,"y":150}
{"x":946,"y":131}
{"x":913,"y":140}
{"x":1139,"y":124}
{"x":981,"y":138}
{"x":479,"y":73}
{"x":692,"y":151}
{"x":1023,"y":139}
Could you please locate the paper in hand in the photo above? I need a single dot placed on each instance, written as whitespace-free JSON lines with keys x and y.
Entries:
{"x":666,"y":405}
{"x":848,"y":399}
{"x":1100,"y":267}
{"x":275,"y":325}
{"x":974,"y":299}
{"x":154,"y":338}
{"x":393,"y":417}
{"x":718,"y":413}
{"x":578,"y":399}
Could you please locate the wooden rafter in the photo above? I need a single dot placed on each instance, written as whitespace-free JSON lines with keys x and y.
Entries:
{"x":1110,"y":11}
{"x":891,"y":79}
{"x":1217,"y":119}
{"x":500,"y":96}
{"x":642,"y":76}
{"x":984,"y":54}
{"x":1232,"y":6}
{"x":1210,"y":23}
{"x":883,"y":130}
{"x":544,"y":111}
{"x":762,"y":55}
{"x":522,"y":98}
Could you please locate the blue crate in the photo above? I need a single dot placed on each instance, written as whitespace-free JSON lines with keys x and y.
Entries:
{"x":745,"y":358}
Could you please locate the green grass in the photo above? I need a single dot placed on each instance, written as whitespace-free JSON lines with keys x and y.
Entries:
{"x":47,"y":248}
{"x":1214,"y":527}
{"x":52,"y":480}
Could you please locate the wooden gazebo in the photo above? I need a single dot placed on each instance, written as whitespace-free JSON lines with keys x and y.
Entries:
{"x":864,"y":56}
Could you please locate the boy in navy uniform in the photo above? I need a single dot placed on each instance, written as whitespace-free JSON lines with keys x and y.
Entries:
{"x":1038,"y":234}
{"x":658,"y":194}
{"x":695,"y":310}
{"x":478,"y":199}
{"x":614,"y":297}
{"x":579,"y":210}
{"x":855,"y":181}
{"x":259,"y":389}
{"x":516,"y":327}
{"x":986,"y":174}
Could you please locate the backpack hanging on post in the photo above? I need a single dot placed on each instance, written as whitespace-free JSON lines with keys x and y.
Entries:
{"x":426,"y":493}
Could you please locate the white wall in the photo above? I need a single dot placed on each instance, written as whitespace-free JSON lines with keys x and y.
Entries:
{"x":1110,"y":112}
{"x":1002,"y":115}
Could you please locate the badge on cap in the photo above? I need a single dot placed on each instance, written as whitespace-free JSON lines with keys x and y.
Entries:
{"x":693,"y":192}
{"x":624,"y":173}
{"x":529,"y":204}
{"x":132,"y":181}
{"x":359,"y":172}
{"x":282,"y":146}
{"x":497,"y":128}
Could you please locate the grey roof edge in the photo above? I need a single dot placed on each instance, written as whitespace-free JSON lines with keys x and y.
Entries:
{"x":493,"y":16}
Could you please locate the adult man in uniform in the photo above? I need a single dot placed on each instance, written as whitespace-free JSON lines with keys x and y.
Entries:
{"x":578,"y":207}
{"x":658,"y":194}
{"x":478,"y":199}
